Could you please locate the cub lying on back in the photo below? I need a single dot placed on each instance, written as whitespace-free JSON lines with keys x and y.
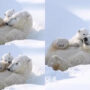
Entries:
{"x":6,"y":60}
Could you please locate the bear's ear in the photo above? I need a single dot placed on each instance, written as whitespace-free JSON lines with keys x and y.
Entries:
{"x":79,"y":31}
{"x":29,"y":60}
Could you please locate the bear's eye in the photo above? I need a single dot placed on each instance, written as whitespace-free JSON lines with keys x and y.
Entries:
{"x":15,"y":18}
{"x":84,"y":34}
{"x":16,"y":63}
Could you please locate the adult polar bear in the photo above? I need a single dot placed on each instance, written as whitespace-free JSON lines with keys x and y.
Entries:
{"x":18,"y":72}
{"x":72,"y":56}
{"x":18,"y":27}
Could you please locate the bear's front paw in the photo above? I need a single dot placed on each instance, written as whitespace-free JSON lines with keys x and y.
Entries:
{"x":57,"y":63}
{"x":61,"y":43}
{"x":75,"y":45}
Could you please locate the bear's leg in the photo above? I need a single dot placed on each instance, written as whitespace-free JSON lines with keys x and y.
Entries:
{"x":57,"y":63}
{"x":61,"y":43}
{"x":15,"y":35}
{"x":78,"y":59}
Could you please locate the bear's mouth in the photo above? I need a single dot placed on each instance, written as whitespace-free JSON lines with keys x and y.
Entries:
{"x":8,"y":24}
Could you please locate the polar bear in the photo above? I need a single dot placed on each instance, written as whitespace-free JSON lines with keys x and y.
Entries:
{"x":19,"y":71}
{"x":8,"y":14}
{"x":72,"y":56}
{"x":78,"y":38}
{"x":6,"y":60}
{"x":18,"y":27}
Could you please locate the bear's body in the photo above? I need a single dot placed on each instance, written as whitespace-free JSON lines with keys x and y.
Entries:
{"x":18,"y":72}
{"x":19,"y":26}
{"x":72,"y":56}
{"x":76,"y":40}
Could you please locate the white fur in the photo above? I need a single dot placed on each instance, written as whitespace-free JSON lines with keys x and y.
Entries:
{"x":19,"y":26}
{"x":77,"y":39}
{"x":6,"y":60}
{"x":72,"y":56}
{"x":8,"y":14}
{"x":19,"y":72}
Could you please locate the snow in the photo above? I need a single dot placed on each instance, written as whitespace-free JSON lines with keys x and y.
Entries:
{"x":26,"y":87}
{"x":76,"y":78}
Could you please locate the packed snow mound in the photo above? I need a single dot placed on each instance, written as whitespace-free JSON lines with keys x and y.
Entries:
{"x":75,"y":78}
{"x":25,"y":87}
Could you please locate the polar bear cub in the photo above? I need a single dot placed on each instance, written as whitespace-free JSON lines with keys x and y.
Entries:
{"x":20,"y":68}
{"x":8,"y":14}
{"x":6,"y":60}
{"x":77,"y":40}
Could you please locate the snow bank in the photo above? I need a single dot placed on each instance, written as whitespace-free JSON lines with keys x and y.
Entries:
{"x":76,"y":78}
{"x":25,"y":87}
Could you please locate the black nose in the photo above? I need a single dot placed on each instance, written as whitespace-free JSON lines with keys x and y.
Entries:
{"x":9,"y":62}
{"x":6,"y":23}
{"x":8,"y":69}
{"x":85,"y":39}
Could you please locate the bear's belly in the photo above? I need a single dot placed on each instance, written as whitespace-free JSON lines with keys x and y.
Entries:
{"x":66,"y":53}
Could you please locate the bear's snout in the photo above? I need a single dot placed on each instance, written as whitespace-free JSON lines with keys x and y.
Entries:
{"x":8,"y":69}
{"x":85,"y":39}
{"x":9,"y":62}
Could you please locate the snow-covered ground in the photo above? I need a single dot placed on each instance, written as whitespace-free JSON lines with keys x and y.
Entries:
{"x":26,"y":87}
{"x":76,"y":78}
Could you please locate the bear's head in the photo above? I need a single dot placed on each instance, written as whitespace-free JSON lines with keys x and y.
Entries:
{"x":82,"y":33}
{"x":86,"y":44}
{"x":7,"y":58}
{"x":9,"y":13}
{"x":21,"y":65}
{"x":21,"y":20}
